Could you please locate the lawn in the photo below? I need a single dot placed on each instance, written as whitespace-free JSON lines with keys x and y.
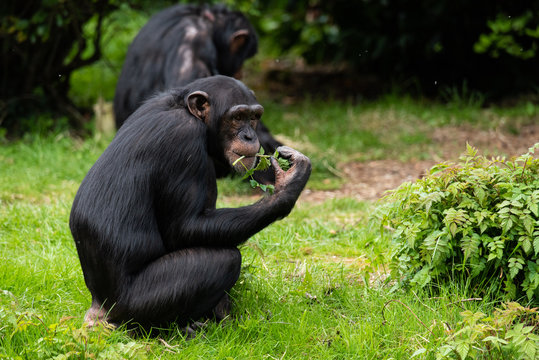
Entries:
{"x":313,"y":285}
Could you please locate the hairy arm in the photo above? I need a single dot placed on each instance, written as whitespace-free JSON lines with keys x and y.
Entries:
{"x":233,"y":226}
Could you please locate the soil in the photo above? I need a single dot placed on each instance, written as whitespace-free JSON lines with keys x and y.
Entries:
{"x":370,"y":180}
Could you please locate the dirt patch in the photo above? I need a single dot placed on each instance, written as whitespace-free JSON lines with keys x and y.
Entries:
{"x":370,"y":180}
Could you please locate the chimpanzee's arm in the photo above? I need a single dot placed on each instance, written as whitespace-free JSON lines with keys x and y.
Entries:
{"x":233,"y":226}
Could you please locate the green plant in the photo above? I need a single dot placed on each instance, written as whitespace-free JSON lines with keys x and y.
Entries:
{"x":512,"y":332}
{"x":476,"y":222}
{"x":34,"y":337}
{"x":462,"y":97}
{"x":43,"y":43}
{"x":263,"y":164}
{"x":87,"y":84}
{"x":516,"y":36}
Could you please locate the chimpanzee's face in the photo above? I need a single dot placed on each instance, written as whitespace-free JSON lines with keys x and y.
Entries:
{"x":238,"y":137}
{"x":235,"y":129}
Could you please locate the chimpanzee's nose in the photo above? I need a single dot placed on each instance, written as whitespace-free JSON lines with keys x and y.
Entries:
{"x":248,"y":135}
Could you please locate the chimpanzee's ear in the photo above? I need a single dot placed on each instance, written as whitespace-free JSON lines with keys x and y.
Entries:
{"x":199,"y":105}
{"x":238,"y":39}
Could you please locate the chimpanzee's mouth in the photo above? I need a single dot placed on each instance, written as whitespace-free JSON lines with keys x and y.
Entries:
{"x":242,"y":163}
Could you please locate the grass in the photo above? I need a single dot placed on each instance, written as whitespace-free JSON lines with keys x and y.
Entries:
{"x":301,"y":294}
{"x":312,"y":286}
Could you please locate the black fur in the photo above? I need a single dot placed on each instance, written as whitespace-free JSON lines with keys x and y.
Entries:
{"x":178,"y":45}
{"x":153,"y":248}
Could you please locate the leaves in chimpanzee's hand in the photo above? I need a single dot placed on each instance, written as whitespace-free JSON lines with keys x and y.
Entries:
{"x":283,"y":163}
{"x":263,"y":164}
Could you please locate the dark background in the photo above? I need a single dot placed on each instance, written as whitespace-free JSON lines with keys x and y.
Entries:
{"x":419,"y":47}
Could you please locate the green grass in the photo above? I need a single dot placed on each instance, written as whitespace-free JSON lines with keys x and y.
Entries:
{"x":312,"y":286}
{"x":302,"y":292}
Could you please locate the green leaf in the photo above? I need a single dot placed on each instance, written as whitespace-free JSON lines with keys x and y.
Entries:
{"x":492,"y":256}
{"x":283,"y":164}
{"x":462,"y":349}
{"x":422,"y":277}
{"x":516,"y":203}
{"x":470,"y":246}
{"x":507,"y":225}
{"x":418,"y":352}
{"x":536,"y":245}
{"x":453,"y":229}
{"x":495,"y":340}
{"x":480,"y":194}
{"x":527,"y":245}
{"x":530,"y":349}
{"x":533,"y":206}
{"x":483,"y":227}
{"x":515,"y":265}
{"x":504,"y":210}
{"x":528,"y":224}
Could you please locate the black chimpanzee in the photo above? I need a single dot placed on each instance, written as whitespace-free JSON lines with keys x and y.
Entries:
{"x":180,"y":44}
{"x":152,"y":245}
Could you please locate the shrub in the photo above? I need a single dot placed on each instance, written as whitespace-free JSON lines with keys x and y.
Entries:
{"x":43,"y":42}
{"x":475,"y":222}
{"x":510,"y":333}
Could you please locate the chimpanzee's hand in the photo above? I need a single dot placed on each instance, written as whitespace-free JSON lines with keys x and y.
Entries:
{"x":295,"y":178}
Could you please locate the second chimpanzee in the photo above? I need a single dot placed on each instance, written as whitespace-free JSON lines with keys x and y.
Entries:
{"x":180,"y":44}
{"x":152,"y":245}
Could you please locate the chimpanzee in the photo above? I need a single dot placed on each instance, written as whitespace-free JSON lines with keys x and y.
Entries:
{"x":180,"y":44}
{"x":152,"y":245}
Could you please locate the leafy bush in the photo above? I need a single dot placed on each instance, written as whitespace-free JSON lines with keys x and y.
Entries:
{"x":476,"y":222}
{"x":510,"y":333}
{"x":99,"y":78}
{"x":518,"y":36}
{"x":43,"y":43}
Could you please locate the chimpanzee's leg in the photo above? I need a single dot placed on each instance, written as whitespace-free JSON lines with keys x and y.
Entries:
{"x":181,"y":286}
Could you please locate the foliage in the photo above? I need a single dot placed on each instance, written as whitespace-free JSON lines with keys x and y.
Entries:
{"x":263,"y":164}
{"x":36,"y":339}
{"x":416,"y":45}
{"x":476,"y":222}
{"x":43,"y":42}
{"x":518,"y":36}
{"x":99,"y":79}
{"x":119,"y":28}
{"x":511,"y":332}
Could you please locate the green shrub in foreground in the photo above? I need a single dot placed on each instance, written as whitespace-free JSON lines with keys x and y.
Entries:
{"x":475,"y":222}
{"x":510,"y":333}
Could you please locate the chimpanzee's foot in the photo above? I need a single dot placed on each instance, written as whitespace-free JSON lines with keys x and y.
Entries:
{"x":222,"y":310}
{"x":191,"y":329}
{"x":95,"y":315}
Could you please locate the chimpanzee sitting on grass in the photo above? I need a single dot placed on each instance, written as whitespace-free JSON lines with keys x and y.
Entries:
{"x":153,"y":246}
